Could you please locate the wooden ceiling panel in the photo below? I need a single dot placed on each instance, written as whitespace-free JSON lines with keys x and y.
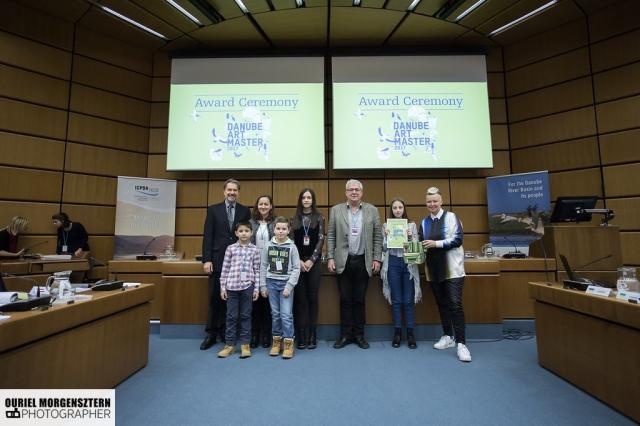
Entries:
{"x":419,"y":30}
{"x":472,"y":39}
{"x":69,"y":10}
{"x":302,"y":27}
{"x":37,"y":25}
{"x":227,"y":8}
{"x":342,"y":3}
{"x":372,"y":3}
{"x":100,"y":21}
{"x":185,"y":42}
{"x":429,"y":7}
{"x":483,"y":13}
{"x":170,"y":14}
{"x":135,"y":12}
{"x":316,"y":3}
{"x":284,"y":4}
{"x":257,"y":6}
{"x":231,"y":34}
{"x":400,"y":5}
{"x":591,"y":6}
{"x":614,"y":20}
{"x":554,"y":17}
{"x":357,"y":26}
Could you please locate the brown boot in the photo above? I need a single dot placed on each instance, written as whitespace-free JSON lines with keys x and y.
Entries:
{"x":276,"y":346}
{"x":245,"y":351}
{"x":226,"y":351}
{"x":288,"y":348}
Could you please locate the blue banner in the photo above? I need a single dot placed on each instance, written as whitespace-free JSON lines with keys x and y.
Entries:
{"x":519,"y":207}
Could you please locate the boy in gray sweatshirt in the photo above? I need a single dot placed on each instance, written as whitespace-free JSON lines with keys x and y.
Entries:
{"x":279,"y":272}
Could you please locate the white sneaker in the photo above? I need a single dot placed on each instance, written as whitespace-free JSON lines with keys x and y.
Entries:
{"x":445,"y":342}
{"x":463,"y":353}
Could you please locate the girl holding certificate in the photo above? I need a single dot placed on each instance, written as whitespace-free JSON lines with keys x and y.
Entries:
{"x":400,"y":281}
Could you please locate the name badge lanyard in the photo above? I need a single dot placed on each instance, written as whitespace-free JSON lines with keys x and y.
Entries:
{"x":244,"y":265}
{"x":305,"y":227}
{"x":355,"y":228}
{"x":65,"y":237}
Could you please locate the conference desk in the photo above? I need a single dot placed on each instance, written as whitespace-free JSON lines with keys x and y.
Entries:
{"x":592,"y":342}
{"x":92,"y":344}
{"x":37,"y":270}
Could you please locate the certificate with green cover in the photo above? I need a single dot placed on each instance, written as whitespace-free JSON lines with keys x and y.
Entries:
{"x":397,"y":235}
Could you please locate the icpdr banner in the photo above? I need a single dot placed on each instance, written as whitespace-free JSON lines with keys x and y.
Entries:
{"x":145,"y":216}
{"x":519,"y":207}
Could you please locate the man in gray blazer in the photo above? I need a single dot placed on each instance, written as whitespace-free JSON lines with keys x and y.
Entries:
{"x":354,"y":244}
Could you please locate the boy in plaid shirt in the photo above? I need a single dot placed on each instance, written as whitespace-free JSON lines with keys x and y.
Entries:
{"x":239,"y":280}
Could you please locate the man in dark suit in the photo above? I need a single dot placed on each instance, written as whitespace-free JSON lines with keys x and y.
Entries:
{"x":218,"y":235}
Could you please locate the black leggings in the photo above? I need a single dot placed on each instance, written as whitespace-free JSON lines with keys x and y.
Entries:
{"x":306,"y":298}
{"x":448,"y":295}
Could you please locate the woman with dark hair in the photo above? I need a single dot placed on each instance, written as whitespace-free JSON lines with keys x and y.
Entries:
{"x":400,"y":281}
{"x":72,"y":237}
{"x":307,"y":230}
{"x":9,"y":237}
{"x":262,"y":219}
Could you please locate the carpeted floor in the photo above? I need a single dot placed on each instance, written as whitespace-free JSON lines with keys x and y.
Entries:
{"x":504,"y":385}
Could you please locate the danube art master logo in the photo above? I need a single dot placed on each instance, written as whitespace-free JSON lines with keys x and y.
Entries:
{"x":404,"y":137}
{"x":250,"y":133}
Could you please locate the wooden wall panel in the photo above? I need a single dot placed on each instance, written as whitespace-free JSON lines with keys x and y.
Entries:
{"x":285,"y":192}
{"x":562,"y":126}
{"x":618,"y":115}
{"x":615,"y":51}
{"x":34,"y":56}
{"x":627,"y":212}
{"x":101,"y":247}
{"x":157,"y":168}
{"x":474,"y":241}
{"x":577,"y":182}
{"x":497,"y":111}
{"x":38,"y":214}
{"x":46,"y":243}
{"x":109,"y":105}
{"x":499,"y":136}
{"x":617,"y":82}
{"x":111,"y":134}
{"x":191,"y":194}
{"x":553,"y":42}
{"x":104,"y":161}
{"x":99,"y":220}
{"x":374,"y":190}
{"x":624,"y":15}
{"x":161,"y":64}
{"x":109,"y":77}
{"x":630,"y":242}
{"x":567,"y":66}
{"x":414,"y":191}
{"x":620,"y":147}
{"x":88,"y":189}
{"x":580,"y":153}
{"x":561,"y":97}
{"x":27,"y":151}
{"x":159,"y":114}
{"x":501,"y":166}
{"x":495,"y":84}
{"x":468,"y":191}
{"x":31,"y":87}
{"x":36,"y":25}
{"x":160,"y":89}
{"x":474,"y":219}
{"x":30,"y":185}
{"x":622,"y":180}
{"x":190,"y":221}
{"x":22,"y":117}
{"x":158,"y":141}
{"x":112,"y":51}
{"x":190,"y":246}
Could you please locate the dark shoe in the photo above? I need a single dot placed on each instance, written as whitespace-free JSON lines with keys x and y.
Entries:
{"x":312,"y":343}
{"x":362,"y":343}
{"x":266,"y":340}
{"x":254,"y":341}
{"x":301,"y":340}
{"x":411,"y":340}
{"x":207,"y":343}
{"x":341,"y":343}
{"x":397,"y":337}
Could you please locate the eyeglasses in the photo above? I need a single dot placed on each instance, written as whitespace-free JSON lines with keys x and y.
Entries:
{"x":354,"y":189}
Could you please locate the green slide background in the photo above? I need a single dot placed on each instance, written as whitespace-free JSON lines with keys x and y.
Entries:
{"x":463,"y":136}
{"x":296,"y":136}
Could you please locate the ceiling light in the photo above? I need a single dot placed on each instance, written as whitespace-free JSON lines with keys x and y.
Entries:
{"x":413,"y":5}
{"x":184,"y":11}
{"x":207,"y":10}
{"x":356,"y":2}
{"x":242,"y":6}
{"x":132,"y":22}
{"x":299,"y":3}
{"x":471,"y":9}
{"x":522,"y":18}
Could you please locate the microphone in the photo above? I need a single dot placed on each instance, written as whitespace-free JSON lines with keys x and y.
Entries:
{"x":145,"y":256}
{"x":594,"y":261}
{"x":27,"y":249}
{"x":19,"y":277}
{"x":516,"y":254}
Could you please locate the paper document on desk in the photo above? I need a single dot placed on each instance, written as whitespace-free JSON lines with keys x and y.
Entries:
{"x":56,"y":257}
{"x":4,"y":317}
{"x":8,"y":297}
{"x":131,"y":285}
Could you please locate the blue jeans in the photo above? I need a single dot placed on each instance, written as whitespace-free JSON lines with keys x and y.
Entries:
{"x":402,"y":291}
{"x":281,"y":309}
{"x":239,"y":304}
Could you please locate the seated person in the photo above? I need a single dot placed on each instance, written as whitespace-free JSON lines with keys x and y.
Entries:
{"x":9,"y":237}
{"x":72,"y":237}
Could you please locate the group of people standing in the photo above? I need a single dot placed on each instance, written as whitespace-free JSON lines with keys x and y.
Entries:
{"x":265,"y":271}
